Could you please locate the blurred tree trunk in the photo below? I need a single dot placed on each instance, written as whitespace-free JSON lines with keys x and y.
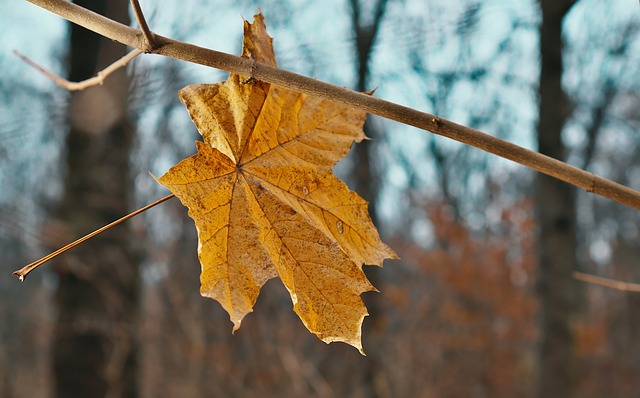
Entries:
{"x":94,"y":351}
{"x":366,"y":183}
{"x":556,"y":218}
{"x":366,"y":179}
{"x":24,"y":329}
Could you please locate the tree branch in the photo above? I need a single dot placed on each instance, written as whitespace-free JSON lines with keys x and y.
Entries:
{"x":248,"y":67}
{"x":606,"y":282}
{"x":76,"y":86}
{"x":148,"y":35}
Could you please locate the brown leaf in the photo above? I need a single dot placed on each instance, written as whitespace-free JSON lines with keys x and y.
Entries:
{"x":266,"y":203}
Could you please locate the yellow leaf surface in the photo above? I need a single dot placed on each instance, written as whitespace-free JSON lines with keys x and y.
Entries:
{"x":266,"y":203}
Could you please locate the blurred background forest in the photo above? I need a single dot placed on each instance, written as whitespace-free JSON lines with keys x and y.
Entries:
{"x":482,"y":303}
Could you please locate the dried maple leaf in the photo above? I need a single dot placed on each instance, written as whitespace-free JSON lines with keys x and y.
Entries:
{"x":266,"y":203}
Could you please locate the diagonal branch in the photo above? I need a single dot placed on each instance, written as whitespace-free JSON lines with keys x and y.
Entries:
{"x":606,"y":282}
{"x":76,"y":86}
{"x":386,"y":109}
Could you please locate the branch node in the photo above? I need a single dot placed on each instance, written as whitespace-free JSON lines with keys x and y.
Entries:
{"x":592,"y":187}
{"x":247,"y":80}
{"x":252,"y":71}
{"x":100,"y":77}
{"x":150,"y":42}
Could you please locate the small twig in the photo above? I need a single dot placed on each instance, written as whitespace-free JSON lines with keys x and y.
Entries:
{"x":75,"y":86}
{"x":606,"y":282}
{"x":24,"y":271}
{"x":148,"y":35}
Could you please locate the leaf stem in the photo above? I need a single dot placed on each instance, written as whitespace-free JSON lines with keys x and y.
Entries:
{"x":24,"y":271}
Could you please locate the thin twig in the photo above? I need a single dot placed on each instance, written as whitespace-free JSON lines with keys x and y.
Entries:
{"x":437,"y":125}
{"x":24,"y":271}
{"x":148,"y":35}
{"x":606,"y":282}
{"x":75,"y":86}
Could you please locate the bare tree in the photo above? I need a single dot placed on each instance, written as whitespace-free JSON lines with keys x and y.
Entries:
{"x":556,"y":217}
{"x":97,"y":299}
{"x":367,"y":181}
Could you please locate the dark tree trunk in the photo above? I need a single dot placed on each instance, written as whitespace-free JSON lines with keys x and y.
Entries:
{"x":94,"y":351}
{"x":366,"y":183}
{"x":366,"y":180}
{"x":556,"y":218}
